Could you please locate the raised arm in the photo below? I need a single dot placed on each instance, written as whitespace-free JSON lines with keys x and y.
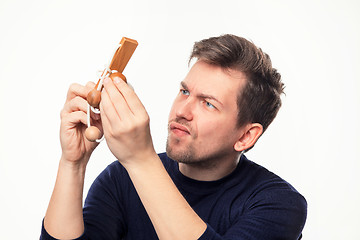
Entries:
{"x":64,"y":216}
{"x":127,"y":133}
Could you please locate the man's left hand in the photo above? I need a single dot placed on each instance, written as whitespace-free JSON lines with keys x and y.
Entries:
{"x":125,"y":123}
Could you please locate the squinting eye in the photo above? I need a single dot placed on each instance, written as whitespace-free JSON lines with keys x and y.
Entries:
{"x":209,"y":105}
{"x":184,"y":92}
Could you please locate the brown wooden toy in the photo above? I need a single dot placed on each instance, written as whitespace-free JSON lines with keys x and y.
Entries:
{"x":118,"y":63}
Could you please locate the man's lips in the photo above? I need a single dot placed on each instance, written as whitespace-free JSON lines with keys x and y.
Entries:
{"x":178,"y":128}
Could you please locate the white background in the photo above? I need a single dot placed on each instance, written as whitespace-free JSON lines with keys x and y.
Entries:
{"x":314,"y":142}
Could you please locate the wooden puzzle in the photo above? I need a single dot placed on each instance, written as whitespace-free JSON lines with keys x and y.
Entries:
{"x":118,"y":63}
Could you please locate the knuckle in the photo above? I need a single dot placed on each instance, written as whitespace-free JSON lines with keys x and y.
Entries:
{"x":114,"y":133}
{"x":73,"y":86}
{"x":144,"y":119}
{"x":131,"y":127}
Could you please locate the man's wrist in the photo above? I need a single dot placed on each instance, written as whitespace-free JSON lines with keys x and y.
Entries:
{"x":141,"y":161}
{"x":76,"y":167}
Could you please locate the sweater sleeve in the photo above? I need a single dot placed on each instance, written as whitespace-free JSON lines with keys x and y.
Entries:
{"x":271,"y":213}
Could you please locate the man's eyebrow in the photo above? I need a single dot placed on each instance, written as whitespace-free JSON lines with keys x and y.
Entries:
{"x":183,"y":85}
{"x":202,"y":95}
{"x":206,"y":96}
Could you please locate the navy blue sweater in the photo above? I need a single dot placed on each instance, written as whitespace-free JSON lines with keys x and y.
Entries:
{"x":250,"y":203}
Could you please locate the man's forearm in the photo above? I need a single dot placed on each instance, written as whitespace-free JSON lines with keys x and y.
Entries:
{"x":171,"y":215}
{"x":64,"y":216}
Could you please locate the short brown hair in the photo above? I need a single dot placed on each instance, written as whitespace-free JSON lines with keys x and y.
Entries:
{"x":259,"y":100}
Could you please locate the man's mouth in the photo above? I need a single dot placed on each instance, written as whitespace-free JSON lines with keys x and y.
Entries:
{"x":178,"y":129}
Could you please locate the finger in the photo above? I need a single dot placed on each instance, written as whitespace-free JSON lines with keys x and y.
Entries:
{"x":111,"y":122}
{"x":132,"y":100}
{"x":90,"y":85}
{"x":75,"y":118}
{"x":118,"y":100}
{"x":107,"y":108}
{"x":76,"y":89}
{"x":105,"y":126}
{"x":75,"y":104}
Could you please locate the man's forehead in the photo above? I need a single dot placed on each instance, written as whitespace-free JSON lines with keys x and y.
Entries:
{"x":205,"y":74}
{"x":209,"y":80}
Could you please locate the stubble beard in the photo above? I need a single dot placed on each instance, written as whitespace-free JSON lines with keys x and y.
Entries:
{"x":188,"y":153}
{"x":185,"y":155}
{"x":191,"y":156}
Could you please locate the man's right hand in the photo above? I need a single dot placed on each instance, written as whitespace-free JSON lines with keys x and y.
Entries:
{"x":76,"y":149}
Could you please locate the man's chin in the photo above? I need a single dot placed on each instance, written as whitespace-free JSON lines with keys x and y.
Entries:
{"x":179,"y":155}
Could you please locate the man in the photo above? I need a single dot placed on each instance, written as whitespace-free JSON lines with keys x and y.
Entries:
{"x":203,"y":187}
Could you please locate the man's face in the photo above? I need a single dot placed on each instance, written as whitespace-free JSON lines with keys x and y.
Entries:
{"x":203,"y":118}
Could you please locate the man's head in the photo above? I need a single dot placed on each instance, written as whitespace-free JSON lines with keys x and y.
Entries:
{"x":259,"y":101}
{"x":229,"y":97}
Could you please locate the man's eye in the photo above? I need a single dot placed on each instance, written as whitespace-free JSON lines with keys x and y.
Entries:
{"x":184,"y":92}
{"x":210,"y":105}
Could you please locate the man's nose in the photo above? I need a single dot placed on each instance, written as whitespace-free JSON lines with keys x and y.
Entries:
{"x":185,"y":109}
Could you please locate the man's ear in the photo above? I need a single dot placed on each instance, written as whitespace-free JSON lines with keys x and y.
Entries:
{"x":249,"y":135}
